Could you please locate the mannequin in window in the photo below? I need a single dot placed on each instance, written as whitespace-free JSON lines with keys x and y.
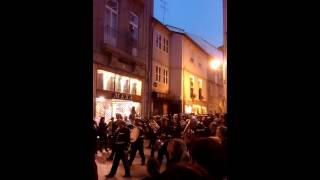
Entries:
{"x":118,"y":85}
{"x":134,"y":88}
{"x":110,"y":84}
{"x":126,"y":86}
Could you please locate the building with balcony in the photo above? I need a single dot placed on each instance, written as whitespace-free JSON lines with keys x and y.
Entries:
{"x":120,"y":56}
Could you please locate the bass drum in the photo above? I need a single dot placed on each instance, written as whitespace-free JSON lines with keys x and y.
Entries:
{"x":134,"y":134}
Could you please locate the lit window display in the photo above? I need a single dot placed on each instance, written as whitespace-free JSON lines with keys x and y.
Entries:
{"x":118,"y":83}
{"x":106,"y":80}
{"x":135,"y":86}
{"x":188,"y":109}
{"x":115,"y":82}
{"x":103,"y":108}
{"x":110,"y":107}
{"x":125,"y":85}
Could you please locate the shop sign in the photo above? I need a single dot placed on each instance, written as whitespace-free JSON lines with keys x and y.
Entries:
{"x":121,"y":96}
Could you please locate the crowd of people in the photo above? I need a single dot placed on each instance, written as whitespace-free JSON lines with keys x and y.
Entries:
{"x":194,"y":146}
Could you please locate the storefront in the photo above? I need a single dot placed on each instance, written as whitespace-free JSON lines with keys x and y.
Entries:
{"x":117,"y":94}
{"x":196,"y":109}
{"x":159,"y":103}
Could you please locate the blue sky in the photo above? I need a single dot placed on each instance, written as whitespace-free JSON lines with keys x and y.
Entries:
{"x":199,"y":17}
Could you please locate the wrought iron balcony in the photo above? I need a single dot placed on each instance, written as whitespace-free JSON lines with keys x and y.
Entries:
{"x":123,"y":41}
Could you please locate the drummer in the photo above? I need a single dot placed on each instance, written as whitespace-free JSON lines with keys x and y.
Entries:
{"x":138,"y":144}
{"x":122,"y":139}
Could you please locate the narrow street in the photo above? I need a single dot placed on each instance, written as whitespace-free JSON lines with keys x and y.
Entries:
{"x":137,"y":170}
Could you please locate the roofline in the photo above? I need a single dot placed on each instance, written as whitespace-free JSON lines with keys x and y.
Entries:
{"x":186,"y":35}
{"x":157,"y":21}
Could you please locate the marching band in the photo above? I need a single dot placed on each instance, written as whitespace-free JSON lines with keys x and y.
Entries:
{"x":127,"y":137}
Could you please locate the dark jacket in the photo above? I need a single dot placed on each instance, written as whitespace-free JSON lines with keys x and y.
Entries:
{"x":122,"y":138}
{"x":102,"y":129}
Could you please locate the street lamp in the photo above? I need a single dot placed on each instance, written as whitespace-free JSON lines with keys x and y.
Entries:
{"x":215,"y":64}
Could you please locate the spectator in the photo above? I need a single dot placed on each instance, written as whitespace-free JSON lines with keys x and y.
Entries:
{"x":102,"y":133}
{"x":183,"y":171}
{"x":221,"y":134}
{"x":153,"y":168}
{"x":209,"y":154}
{"x":177,"y":151}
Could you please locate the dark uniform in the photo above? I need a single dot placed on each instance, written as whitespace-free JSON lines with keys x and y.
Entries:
{"x":138,"y":145}
{"x":163,"y":151}
{"x":201,"y":130}
{"x":102,"y":133}
{"x":122,"y":140}
{"x":153,"y":135}
{"x":112,"y":137}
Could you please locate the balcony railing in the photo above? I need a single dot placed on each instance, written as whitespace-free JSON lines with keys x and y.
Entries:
{"x":123,"y":41}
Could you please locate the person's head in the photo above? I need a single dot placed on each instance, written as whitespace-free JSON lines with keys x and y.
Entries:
{"x":102,"y":119}
{"x":221,"y":132}
{"x":209,"y":154}
{"x":182,"y":171}
{"x":153,"y":167}
{"x":121,"y":124}
{"x":177,"y":150}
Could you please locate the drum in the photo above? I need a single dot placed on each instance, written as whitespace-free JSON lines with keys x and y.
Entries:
{"x":134,"y":134}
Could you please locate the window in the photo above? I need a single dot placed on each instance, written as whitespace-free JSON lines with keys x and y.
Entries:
{"x":106,"y":80}
{"x":111,"y":21}
{"x":125,"y":85}
{"x":118,"y":83}
{"x":134,"y":25}
{"x":164,"y":44}
{"x":134,"y":33}
{"x":164,"y":76}
{"x":192,"y":87}
{"x":157,"y":39}
{"x":200,"y":89}
{"x":158,"y":74}
{"x":167,"y":46}
{"x":122,"y":84}
{"x":167,"y":77}
{"x":135,"y":86}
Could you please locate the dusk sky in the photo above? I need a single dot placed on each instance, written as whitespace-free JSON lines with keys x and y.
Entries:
{"x":199,"y":17}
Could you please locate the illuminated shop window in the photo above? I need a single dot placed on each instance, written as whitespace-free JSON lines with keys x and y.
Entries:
{"x":105,"y":80}
{"x":188,"y":109}
{"x":135,"y":86}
